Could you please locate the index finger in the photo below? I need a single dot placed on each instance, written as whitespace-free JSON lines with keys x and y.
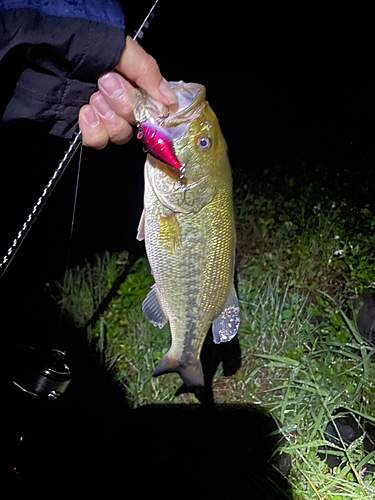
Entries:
{"x":141,"y":68}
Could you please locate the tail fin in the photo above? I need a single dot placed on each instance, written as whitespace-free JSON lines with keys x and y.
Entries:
{"x":191,"y":375}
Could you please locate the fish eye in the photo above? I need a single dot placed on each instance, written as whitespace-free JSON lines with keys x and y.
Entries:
{"x":203,"y":143}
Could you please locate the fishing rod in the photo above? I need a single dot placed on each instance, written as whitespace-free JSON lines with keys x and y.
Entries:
{"x":68,"y":155}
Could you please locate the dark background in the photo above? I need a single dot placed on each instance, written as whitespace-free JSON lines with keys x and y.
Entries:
{"x":291,"y":86}
{"x":288,"y":85}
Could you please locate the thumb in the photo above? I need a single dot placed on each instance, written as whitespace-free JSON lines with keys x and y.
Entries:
{"x":141,"y":68}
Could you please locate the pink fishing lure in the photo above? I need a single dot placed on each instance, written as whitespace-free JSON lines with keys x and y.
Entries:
{"x":158,"y":143}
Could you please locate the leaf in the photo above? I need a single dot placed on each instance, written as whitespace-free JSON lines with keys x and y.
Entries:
{"x":280,"y":359}
{"x":120,"y":374}
{"x":352,"y":328}
{"x":287,"y":314}
{"x":295,"y":353}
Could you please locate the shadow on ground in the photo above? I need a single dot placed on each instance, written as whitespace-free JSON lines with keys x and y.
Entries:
{"x":90,"y":438}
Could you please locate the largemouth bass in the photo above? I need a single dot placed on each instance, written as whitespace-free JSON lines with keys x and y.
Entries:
{"x":188,"y":227}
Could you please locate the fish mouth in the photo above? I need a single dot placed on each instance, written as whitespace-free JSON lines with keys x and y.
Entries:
{"x":189,"y":96}
{"x":162,"y":131}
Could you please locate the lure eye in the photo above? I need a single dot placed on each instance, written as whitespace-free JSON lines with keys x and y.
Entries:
{"x":203,"y":143}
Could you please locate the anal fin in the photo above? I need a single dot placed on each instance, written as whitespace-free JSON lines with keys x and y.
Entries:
{"x":225,"y":325}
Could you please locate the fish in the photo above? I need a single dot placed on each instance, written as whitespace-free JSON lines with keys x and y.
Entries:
{"x":188,"y":227}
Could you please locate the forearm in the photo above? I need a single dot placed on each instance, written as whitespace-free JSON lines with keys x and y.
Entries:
{"x":61,"y":61}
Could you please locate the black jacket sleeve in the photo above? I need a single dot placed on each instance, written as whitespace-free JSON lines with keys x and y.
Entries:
{"x":60,"y":49}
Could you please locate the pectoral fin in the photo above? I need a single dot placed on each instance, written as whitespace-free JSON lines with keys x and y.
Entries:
{"x":141,"y":227}
{"x":152,"y":310}
{"x":225,"y":325}
{"x":169,"y":233}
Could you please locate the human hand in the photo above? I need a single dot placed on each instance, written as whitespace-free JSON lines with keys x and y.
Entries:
{"x":109,"y":116}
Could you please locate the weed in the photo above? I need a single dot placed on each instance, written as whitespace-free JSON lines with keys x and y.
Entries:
{"x":306,"y":238}
{"x":302,"y":373}
{"x":303,"y":252}
{"x":84,"y":288}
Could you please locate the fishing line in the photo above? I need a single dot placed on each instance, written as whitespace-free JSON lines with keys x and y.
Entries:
{"x":74,"y":207}
{"x":80,"y":146}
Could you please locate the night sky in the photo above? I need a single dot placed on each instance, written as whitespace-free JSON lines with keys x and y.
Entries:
{"x":288,"y":85}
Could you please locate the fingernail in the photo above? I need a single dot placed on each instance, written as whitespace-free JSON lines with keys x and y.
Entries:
{"x":102,"y":106}
{"x":90,"y":117}
{"x":167,"y":92}
{"x":111,"y":84}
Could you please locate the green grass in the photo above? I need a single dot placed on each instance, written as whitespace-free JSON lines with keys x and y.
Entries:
{"x":301,"y":373}
{"x":84,"y":288}
{"x":303,"y":254}
{"x":307,"y":237}
{"x":134,"y":345}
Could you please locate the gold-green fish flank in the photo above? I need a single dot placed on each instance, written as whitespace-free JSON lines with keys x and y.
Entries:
{"x":189,"y":232}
